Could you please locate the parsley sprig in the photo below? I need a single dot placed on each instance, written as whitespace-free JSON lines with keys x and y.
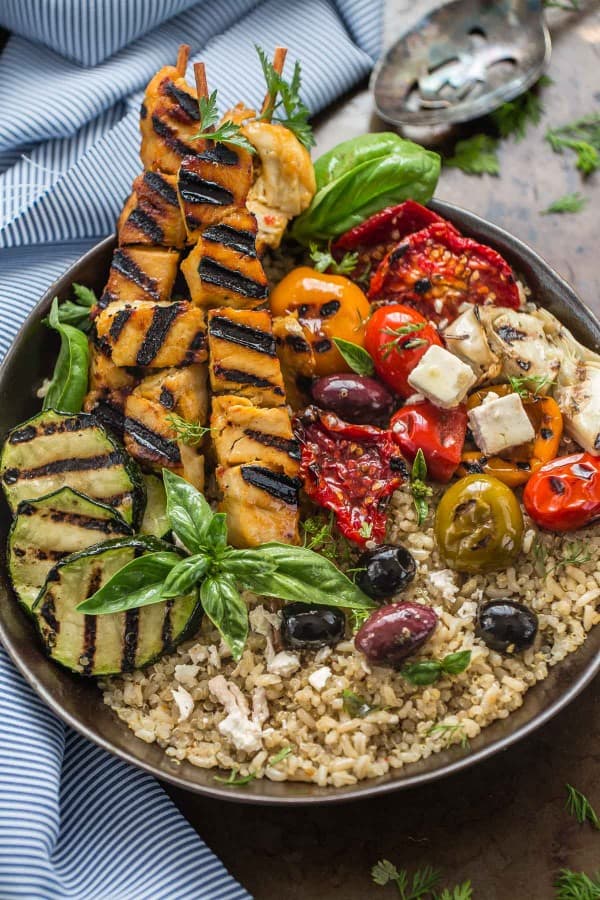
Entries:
{"x":570,"y":203}
{"x":228,"y":132}
{"x":513,"y":118}
{"x":583,"y":137}
{"x":421,"y":492}
{"x":325,"y":262}
{"x":477,"y":155}
{"x":286,"y":106}
{"x":580,"y":807}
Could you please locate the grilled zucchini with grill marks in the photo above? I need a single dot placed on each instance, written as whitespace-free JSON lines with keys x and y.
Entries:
{"x":169,"y":119}
{"x":155,"y":521}
{"x":54,"y":450}
{"x":46,"y":530}
{"x":261,"y":505}
{"x":212,"y":183}
{"x":223,"y":268}
{"x":152,"y":214}
{"x":140,"y":273}
{"x":157,"y":335}
{"x":117,"y":642}
{"x":243,"y":433}
{"x":243,"y":357}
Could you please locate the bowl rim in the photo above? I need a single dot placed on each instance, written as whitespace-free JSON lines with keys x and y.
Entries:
{"x":365,"y":789}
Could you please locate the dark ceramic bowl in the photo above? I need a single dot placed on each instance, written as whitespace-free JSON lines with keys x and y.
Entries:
{"x":78,"y":701}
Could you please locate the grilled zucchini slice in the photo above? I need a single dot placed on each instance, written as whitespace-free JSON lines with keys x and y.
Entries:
{"x":155,"y":521}
{"x":117,"y":642}
{"x":54,"y":450}
{"x":50,"y":528}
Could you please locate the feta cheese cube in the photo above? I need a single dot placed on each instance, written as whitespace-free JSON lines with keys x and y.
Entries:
{"x":319,"y":678}
{"x":442,"y":377}
{"x":500,"y":423}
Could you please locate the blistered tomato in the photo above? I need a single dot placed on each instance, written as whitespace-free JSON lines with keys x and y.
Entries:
{"x":565,"y":494}
{"x":328,"y":307}
{"x":397,"y":337}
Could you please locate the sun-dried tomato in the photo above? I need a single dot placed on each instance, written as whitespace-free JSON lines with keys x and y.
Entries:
{"x":380,"y":233}
{"x":350,"y":469}
{"x":436,"y":270}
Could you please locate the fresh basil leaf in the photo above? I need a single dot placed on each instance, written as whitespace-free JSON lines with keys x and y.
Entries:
{"x":455,"y":663}
{"x":427,"y":671}
{"x":68,"y":386}
{"x":305,"y":577}
{"x":185,"y":576}
{"x":359,"y":359}
{"x":419,"y":467}
{"x":243,"y":562}
{"x":225,"y":608}
{"x":216,"y":533}
{"x":139,"y":583}
{"x":189,"y":513}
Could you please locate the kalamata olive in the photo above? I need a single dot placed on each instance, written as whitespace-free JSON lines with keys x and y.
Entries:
{"x":395,"y":631}
{"x":355,"y":398}
{"x":307,"y":625}
{"x":385,"y":571}
{"x":506,"y":625}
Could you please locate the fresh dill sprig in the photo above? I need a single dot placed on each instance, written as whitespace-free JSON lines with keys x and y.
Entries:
{"x":189,"y":433}
{"x":583,"y":137}
{"x":449,"y":731}
{"x":399,"y":333}
{"x":580,"y":807}
{"x":576,"y":555}
{"x":324,"y":261}
{"x":227,"y":132}
{"x":570,"y":203}
{"x":286,"y":106}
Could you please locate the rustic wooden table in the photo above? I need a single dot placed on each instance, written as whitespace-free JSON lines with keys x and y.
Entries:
{"x":503,"y":823}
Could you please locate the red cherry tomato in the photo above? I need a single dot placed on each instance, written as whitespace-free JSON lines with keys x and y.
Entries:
{"x":565,"y":494}
{"x":397,"y":337}
{"x":436,"y":270}
{"x":440,"y":433}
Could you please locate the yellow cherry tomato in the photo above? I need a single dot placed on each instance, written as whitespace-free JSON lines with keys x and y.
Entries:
{"x":328,"y":307}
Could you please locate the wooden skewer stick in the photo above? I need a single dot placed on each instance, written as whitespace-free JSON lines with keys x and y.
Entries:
{"x":200,"y":76}
{"x":278,"y":64}
{"x":183,"y":54}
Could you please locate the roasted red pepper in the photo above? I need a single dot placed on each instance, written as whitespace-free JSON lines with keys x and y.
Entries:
{"x":380,"y":233}
{"x":436,"y":270}
{"x":350,"y":469}
{"x":565,"y":494}
{"x":440,"y":433}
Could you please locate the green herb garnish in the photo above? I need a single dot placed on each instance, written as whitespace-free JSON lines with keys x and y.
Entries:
{"x":570,"y":203}
{"x":401,"y":332}
{"x":576,"y":555}
{"x":324,"y":261}
{"x":566,"y":5}
{"x":525,"y":385}
{"x":421,"y":492}
{"x":423,"y":880}
{"x":69,"y":382}
{"x":583,"y":137}
{"x":577,"y":886}
{"x":279,"y":757}
{"x":234,"y":779}
{"x":359,"y":359}
{"x":358,"y":618}
{"x":227,"y":132}
{"x":285,"y":104}
{"x":77,"y":313}
{"x":450,"y":731}
{"x":512,"y":118}
{"x":477,"y":155}
{"x":189,"y":433}
{"x":356,"y":706}
{"x":278,"y":570}
{"x":580,"y":807}
{"x":428,"y":671}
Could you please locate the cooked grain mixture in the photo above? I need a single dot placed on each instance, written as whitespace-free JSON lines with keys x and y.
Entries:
{"x":281,"y":715}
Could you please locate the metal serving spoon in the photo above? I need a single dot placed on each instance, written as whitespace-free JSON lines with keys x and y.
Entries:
{"x":462,"y":61}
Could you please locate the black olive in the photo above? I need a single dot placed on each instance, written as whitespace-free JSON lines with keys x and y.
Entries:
{"x":385,"y":570}
{"x":506,"y":625}
{"x":307,"y":625}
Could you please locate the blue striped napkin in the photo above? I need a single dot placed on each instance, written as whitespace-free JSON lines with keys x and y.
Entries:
{"x":74,"y":821}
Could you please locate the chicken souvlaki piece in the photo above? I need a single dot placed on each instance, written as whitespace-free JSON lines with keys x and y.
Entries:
{"x":261,"y":505}
{"x":109,"y":386}
{"x":169,"y":119}
{"x":296,"y":357}
{"x":244,"y":433}
{"x":243,"y":356}
{"x":152,"y":215}
{"x":223,"y":268}
{"x":140,"y":273}
{"x":212,"y":182}
{"x":157,"y":335}
{"x":149,"y":434}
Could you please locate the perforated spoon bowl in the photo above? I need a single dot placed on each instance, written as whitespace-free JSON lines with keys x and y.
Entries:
{"x":462,"y":61}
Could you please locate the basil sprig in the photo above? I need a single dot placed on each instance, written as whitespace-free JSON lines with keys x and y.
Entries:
{"x":428,"y":671}
{"x":69,"y":382}
{"x":220,"y":571}
{"x":359,"y":359}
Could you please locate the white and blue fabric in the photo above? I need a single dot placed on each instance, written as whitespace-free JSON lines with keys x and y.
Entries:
{"x":74,"y":821}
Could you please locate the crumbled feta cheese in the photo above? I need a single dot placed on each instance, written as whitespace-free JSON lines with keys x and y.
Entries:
{"x":214,"y":659}
{"x":260,"y":707}
{"x":500,"y":424}
{"x":323,"y":654}
{"x":283,"y":663}
{"x":442,"y":377}
{"x":198,"y":653}
{"x":242,"y":732}
{"x":443,"y":584}
{"x":262,"y":621}
{"x":319,"y":678}
{"x":186,"y":674}
{"x":185,"y":703}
